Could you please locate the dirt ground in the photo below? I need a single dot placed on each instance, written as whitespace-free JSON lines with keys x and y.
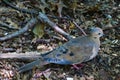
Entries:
{"x":42,"y":38}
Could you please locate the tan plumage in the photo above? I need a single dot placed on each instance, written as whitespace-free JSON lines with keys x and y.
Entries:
{"x":78,"y":50}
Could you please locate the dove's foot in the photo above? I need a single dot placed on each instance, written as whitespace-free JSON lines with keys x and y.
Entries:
{"x":77,"y":66}
{"x":78,"y":69}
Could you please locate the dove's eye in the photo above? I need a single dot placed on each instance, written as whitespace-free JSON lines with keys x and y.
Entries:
{"x":99,"y":33}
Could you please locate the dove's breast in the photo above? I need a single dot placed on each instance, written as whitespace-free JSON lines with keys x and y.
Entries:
{"x":94,"y":53}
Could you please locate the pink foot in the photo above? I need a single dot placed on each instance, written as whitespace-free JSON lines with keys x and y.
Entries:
{"x":77,"y":66}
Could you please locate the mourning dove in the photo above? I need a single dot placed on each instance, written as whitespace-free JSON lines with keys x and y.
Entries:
{"x":77,"y":50}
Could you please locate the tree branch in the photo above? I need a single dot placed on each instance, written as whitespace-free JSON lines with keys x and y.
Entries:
{"x":28,"y":26}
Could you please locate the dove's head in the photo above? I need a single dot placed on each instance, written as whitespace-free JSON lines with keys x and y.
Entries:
{"x":96,"y":32}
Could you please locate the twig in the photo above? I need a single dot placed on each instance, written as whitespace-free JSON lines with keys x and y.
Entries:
{"x":28,"y":26}
{"x":79,"y":28}
{"x":8,"y":50}
{"x":7,"y":26}
{"x":44,"y":41}
{"x":57,"y":17}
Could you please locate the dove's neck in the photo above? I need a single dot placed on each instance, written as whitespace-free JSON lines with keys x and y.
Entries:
{"x":96,"y":39}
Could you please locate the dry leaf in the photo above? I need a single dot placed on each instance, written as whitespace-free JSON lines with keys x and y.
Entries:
{"x":103,"y":75}
{"x":73,"y":5}
{"x":90,"y":77}
{"x":11,"y":23}
{"x":60,"y":5}
{"x":82,"y":78}
{"x":72,"y":26}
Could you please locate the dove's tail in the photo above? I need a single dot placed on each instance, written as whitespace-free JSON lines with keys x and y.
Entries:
{"x":29,"y":66}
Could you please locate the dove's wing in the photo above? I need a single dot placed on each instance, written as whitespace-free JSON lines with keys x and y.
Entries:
{"x":74,"y":51}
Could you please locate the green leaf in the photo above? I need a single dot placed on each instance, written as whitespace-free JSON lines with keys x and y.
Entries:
{"x":39,"y":30}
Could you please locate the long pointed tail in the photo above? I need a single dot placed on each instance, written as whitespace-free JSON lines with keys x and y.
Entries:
{"x":30,"y":66}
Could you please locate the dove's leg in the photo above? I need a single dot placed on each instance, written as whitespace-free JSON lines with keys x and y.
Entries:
{"x":78,"y":69}
{"x":77,"y":66}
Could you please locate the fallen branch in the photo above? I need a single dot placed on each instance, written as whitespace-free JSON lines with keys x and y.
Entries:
{"x":79,"y":28}
{"x":22,"y":56}
{"x":28,"y":26}
{"x":4,"y":25}
{"x":43,"y":18}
